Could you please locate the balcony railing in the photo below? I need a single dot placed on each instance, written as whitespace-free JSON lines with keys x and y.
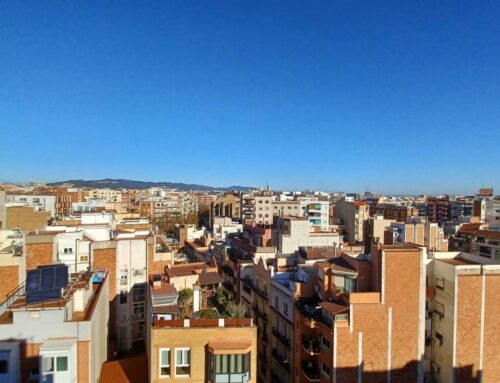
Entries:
{"x":221,"y":322}
{"x":282,"y":338}
{"x":310,"y":370}
{"x":310,"y":345}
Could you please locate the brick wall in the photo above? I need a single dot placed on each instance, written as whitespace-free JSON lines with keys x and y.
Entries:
{"x":106,"y":259}
{"x":38,"y":254}
{"x":468,"y":326}
{"x":83,"y":361}
{"x":491,"y":355}
{"x":9,"y":277}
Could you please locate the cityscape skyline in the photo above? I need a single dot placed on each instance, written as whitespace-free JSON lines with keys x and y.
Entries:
{"x":236,"y":186}
{"x":335,"y":96}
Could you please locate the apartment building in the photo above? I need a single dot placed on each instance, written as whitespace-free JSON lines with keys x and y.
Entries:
{"x":263,"y":207}
{"x":12,"y":261}
{"x":25,"y":218}
{"x":462,"y":339}
{"x":226,"y":205}
{"x":223,"y":227}
{"x":255,"y":286}
{"x":417,"y":231}
{"x":353,"y":217}
{"x":286,"y":287}
{"x":287,"y":208}
{"x":40,"y":202}
{"x":128,"y":254}
{"x":247,"y":208}
{"x":475,"y":239}
{"x":438,"y":209}
{"x":461,"y":207}
{"x":377,"y":225}
{"x":492,"y":213}
{"x":109,"y":195}
{"x":318,"y":214}
{"x":3,"y":210}
{"x":54,"y":327}
{"x":400,"y":213}
{"x":89,"y":206}
{"x":204,"y":200}
{"x":365,"y":321}
{"x":189,"y":349}
{"x":290,"y":233}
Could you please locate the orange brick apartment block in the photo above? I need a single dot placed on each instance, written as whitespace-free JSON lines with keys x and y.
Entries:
{"x":464,"y":338}
{"x":366,"y":325}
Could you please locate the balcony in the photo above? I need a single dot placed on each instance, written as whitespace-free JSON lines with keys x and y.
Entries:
{"x":310,"y":370}
{"x":281,"y":359}
{"x":282,"y":338}
{"x":310,"y":345}
{"x":263,"y":315}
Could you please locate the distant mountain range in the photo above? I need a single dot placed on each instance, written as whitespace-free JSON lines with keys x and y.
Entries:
{"x":130,"y":184}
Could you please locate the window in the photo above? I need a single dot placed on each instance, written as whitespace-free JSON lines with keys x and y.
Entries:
{"x":182,"y":357}
{"x":139,"y":293}
{"x":62,"y":363}
{"x":68,"y":250}
{"x":325,"y":342}
{"x":164,"y":362}
{"x":276,"y":302}
{"x":4,"y":367}
{"x":48,"y":364}
{"x":138,"y":311}
{"x":285,"y":307}
{"x":123,"y":278}
{"x":325,"y":369}
{"x":123,"y":297}
{"x":439,"y":282}
{"x":230,"y":364}
{"x":439,"y":338}
{"x":51,"y":364}
{"x":439,"y":309}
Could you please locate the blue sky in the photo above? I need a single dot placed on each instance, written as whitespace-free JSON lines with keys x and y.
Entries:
{"x":401,"y":97}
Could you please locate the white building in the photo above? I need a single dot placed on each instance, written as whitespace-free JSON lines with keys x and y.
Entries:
{"x":295,"y":232}
{"x":39,"y":202}
{"x":91,"y":205}
{"x":492,"y":213}
{"x":66,"y":337}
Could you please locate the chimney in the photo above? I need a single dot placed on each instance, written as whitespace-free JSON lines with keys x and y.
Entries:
{"x":196,"y":298}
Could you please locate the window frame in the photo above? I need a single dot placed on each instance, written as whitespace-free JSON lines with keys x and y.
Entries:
{"x":161,"y":365}
{"x":182,"y":349}
{"x":440,"y":285}
{"x":5,"y":362}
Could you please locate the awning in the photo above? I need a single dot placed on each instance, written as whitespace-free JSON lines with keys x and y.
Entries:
{"x":219,"y":347}
{"x":58,"y":344}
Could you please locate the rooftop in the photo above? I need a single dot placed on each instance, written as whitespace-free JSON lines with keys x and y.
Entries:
{"x":186,"y":269}
{"x":93,"y":279}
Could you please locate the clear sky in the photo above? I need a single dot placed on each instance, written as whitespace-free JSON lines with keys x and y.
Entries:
{"x":401,"y":96}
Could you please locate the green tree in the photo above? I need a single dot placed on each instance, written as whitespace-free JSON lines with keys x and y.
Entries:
{"x":185,"y":302}
{"x":236,"y":310}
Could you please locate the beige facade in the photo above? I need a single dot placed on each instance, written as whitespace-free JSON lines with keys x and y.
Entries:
{"x":462,"y":336}
{"x":26,"y":218}
{"x":353,"y":217}
{"x":203,"y":350}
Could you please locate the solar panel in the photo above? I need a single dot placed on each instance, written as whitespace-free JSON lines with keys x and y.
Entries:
{"x":46,"y":283}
